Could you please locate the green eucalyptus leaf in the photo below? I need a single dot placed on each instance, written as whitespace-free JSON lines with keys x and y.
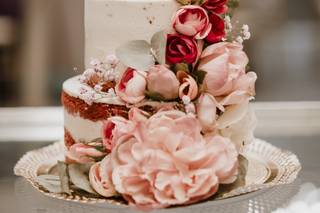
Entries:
{"x":136,"y":54}
{"x":64,"y":178}
{"x":50,"y":182}
{"x":232,"y":4}
{"x":79,"y":177}
{"x":158,"y":45}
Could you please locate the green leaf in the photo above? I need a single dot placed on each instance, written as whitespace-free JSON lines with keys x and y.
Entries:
{"x":158,"y":45}
{"x":64,"y":178}
{"x":50,"y":182}
{"x":181,"y":67}
{"x":232,"y":4}
{"x":155,"y":96}
{"x":243,"y":167}
{"x":79,"y":177}
{"x":136,"y":54}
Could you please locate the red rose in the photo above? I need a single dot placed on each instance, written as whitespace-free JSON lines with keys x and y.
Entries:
{"x":217,"y":31}
{"x":216,"y":6}
{"x":192,"y":21}
{"x":181,"y":49}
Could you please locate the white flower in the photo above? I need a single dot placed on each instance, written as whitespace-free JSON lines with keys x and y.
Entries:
{"x":111,"y":92}
{"x":186,"y":100}
{"x":227,"y":20}
{"x":82,"y":90}
{"x":82,"y":79}
{"x":246,"y":35}
{"x":112,"y":60}
{"x":95,"y":62}
{"x":109,"y":75}
{"x":239,"y":39}
{"x":89,"y":72}
{"x":98,"y":87}
{"x":245,"y":28}
{"x":245,"y":32}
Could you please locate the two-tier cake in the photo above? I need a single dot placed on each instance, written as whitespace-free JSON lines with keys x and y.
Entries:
{"x":162,"y":110}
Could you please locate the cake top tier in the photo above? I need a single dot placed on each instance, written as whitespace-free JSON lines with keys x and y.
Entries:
{"x":110,"y":23}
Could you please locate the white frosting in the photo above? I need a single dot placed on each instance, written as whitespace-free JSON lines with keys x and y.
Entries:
{"x":82,"y":129}
{"x":110,"y":23}
{"x":72,"y":87}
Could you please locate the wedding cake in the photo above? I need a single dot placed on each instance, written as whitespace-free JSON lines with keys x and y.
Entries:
{"x":161,"y":113}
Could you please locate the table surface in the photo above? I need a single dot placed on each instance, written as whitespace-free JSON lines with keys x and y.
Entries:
{"x":18,"y":196}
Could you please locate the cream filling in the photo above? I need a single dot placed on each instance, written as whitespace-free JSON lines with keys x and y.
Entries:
{"x":82,"y":129}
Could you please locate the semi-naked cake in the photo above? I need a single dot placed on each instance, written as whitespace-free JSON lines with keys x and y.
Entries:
{"x":161,"y":113}
{"x":109,"y":24}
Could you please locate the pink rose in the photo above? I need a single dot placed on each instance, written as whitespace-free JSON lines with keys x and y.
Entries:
{"x":225,"y":64}
{"x":100,"y":177}
{"x":216,"y":6}
{"x":181,"y":49}
{"x":172,"y":163}
{"x":188,"y":86}
{"x":82,"y":153}
{"x":132,"y":86}
{"x":192,"y":21}
{"x":163,"y":81}
{"x":217,"y":32}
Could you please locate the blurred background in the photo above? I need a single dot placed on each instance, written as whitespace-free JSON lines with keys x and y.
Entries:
{"x":42,"y":42}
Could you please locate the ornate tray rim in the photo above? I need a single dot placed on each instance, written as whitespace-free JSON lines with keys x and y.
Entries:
{"x":284,"y":163}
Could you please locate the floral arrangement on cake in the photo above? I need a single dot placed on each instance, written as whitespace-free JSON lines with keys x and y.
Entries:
{"x":173,"y":155}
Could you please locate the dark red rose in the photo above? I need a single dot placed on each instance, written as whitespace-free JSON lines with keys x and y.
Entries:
{"x":216,"y":6}
{"x":181,"y":49}
{"x":217,"y":31}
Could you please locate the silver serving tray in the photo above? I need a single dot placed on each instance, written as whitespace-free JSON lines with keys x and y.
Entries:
{"x":268,"y":166}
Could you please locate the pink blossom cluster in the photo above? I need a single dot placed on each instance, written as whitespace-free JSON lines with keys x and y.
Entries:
{"x":177,"y":157}
{"x":162,"y":160}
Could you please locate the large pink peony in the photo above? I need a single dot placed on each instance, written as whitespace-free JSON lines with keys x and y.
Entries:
{"x":167,"y":161}
{"x":192,"y":20}
{"x":225,"y":64}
